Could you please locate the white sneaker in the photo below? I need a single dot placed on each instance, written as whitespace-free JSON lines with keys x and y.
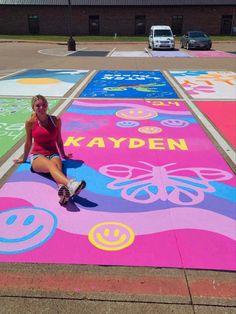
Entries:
{"x":64,"y":194}
{"x":75,"y":187}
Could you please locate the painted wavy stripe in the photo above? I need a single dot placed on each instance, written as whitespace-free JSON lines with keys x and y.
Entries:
{"x":222,"y":190}
{"x":131,"y":104}
{"x":93,"y":112}
{"x":93,"y":201}
{"x":161,"y":117}
{"x":100,"y":181}
{"x":71,"y":76}
{"x":112,"y":112}
{"x":81,"y":221}
{"x":188,"y":73}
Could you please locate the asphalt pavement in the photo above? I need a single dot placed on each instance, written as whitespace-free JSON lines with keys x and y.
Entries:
{"x":43,"y":288}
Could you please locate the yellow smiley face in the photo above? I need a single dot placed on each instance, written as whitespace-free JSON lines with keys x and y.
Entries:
{"x":136,"y":114}
{"x":111,"y":236}
{"x":149,"y":130}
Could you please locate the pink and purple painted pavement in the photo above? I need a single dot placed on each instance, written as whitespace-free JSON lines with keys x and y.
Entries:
{"x":222,"y":114}
{"x":211,"y":54}
{"x":158,"y":193}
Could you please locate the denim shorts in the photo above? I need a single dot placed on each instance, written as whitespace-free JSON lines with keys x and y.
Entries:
{"x":50,"y":157}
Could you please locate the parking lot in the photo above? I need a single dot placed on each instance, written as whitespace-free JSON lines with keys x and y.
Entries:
{"x":185,"y":265}
{"x":26,"y":55}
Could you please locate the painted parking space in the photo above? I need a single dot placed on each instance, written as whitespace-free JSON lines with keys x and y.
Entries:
{"x":158,"y":193}
{"x":130,"y":54}
{"x":174,"y":54}
{"x":223,"y":116}
{"x":191,"y":54}
{"x":49,"y":82}
{"x":210,"y":54}
{"x":207,"y":84}
{"x":13,"y":114}
{"x":145,"y":53}
{"x":87,"y":53}
{"x":129,"y":84}
{"x":170,"y":54}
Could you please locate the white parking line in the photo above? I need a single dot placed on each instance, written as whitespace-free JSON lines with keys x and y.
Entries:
{"x":71,"y":97}
{"x":58,"y":52}
{"x":216,"y":135}
{"x":2,"y":77}
{"x":148,"y":52}
{"x":19,"y":152}
{"x":111,"y":52}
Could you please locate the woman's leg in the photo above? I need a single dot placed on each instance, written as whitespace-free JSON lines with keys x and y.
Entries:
{"x":73,"y":185}
{"x":54,"y":167}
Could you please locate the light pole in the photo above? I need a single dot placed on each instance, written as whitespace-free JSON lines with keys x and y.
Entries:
{"x":71,"y":42}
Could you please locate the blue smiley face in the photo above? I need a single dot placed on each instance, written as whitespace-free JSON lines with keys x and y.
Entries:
{"x":174,"y":123}
{"x":23,"y":229}
{"x":127,"y":124}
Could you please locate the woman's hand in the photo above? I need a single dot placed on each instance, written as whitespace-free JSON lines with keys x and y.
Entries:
{"x":68,"y":156}
{"x":19,"y":161}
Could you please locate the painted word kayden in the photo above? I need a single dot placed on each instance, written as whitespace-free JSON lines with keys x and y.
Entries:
{"x":131,"y":143}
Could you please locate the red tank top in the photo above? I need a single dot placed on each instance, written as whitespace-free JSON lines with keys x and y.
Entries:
{"x":44,"y":138}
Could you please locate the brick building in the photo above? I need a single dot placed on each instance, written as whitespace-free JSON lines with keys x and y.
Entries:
{"x":123,"y":17}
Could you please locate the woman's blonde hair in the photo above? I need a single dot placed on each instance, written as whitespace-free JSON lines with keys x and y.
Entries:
{"x":34,"y":99}
{"x":38,"y":97}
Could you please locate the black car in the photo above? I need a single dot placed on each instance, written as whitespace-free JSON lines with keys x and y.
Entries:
{"x":195,"y":40}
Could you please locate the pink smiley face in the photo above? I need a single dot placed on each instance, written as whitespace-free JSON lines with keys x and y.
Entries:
{"x":23,"y":229}
{"x":136,"y":114}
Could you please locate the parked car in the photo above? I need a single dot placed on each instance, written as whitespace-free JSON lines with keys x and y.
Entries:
{"x":161,"y":37}
{"x":195,"y":40}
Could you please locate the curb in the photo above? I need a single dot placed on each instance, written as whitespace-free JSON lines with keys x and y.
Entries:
{"x":156,"y":285}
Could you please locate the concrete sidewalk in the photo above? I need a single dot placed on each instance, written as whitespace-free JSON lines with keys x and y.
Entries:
{"x":28,"y":288}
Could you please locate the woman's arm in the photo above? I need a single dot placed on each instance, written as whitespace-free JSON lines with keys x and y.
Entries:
{"x":28,"y":142}
{"x":60,"y":144}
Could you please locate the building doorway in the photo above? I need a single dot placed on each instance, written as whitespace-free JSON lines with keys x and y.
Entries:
{"x":140,"y":25}
{"x":33,"y":22}
{"x":94,"y":25}
{"x":177,"y":24}
{"x":226,"y":24}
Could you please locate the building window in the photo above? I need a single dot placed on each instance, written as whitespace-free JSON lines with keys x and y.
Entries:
{"x":226,"y":24}
{"x":93,"y":24}
{"x":33,"y":22}
{"x":177,"y":24}
{"x":140,"y":25}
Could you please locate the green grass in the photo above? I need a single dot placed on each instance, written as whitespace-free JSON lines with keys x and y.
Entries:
{"x":97,"y":38}
{"x":76,"y":38}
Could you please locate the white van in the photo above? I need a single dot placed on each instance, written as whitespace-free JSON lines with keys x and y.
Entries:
{"x":161,"y":37}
